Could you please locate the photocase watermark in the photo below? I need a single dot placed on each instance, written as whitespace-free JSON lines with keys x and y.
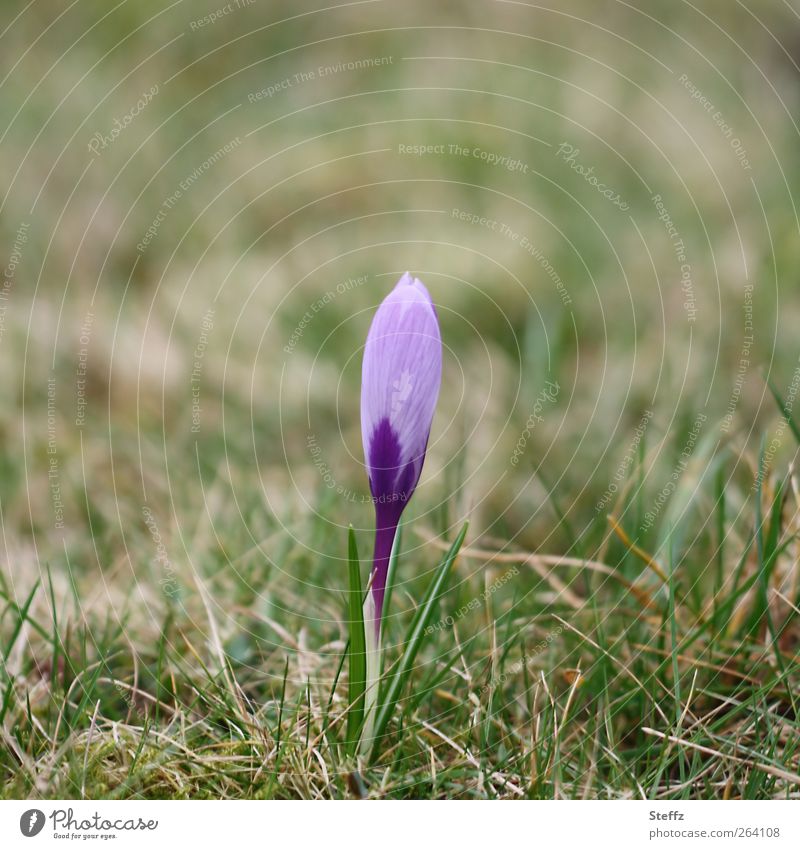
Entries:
{"x":401,"y":391}
{"x":32,"y":822}
{"x":526,"y":660}
{"x":10,"y":271}
{"x":524,"y":242}
{"x":680,"y":254}
{"x":206,"y":326}
{"x":683,"y":461}
{"x":80,"y":372}
{"x":320,"y":304}
{"x":489,"y":157}
{"x":718,"y":118}
{"x":569,"y":154}
{"x":626,"y":462}
{"x":328,"y":478}
{"x":100,"y":141}
{"x":218,"y":14}
{"x":474,"y":603}
{"x":168,"y":580}
{"x":185,"y":184}
{"x":777,"y":440}
{"x":548,"y":395}
{"x":64,"y":824}
{"x":322,"y":467}
{"x":53,"y":473}
{"x":125,"y":694}
{"x":743,"y":364}
{"x":320,"y":72}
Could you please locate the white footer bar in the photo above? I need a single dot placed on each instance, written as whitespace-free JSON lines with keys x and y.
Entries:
{"x":411,"y":825}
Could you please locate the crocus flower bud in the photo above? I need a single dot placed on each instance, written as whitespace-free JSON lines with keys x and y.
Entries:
{"x":401,"y":375}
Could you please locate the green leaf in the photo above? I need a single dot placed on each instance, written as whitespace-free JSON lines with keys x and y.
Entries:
{"x":786,"y":410}
{"x":22,"y":616}
{"x":358,"y":652}
{"x":767,"y":547}
{"x":416,"y":637}
{"x":394,"y":556}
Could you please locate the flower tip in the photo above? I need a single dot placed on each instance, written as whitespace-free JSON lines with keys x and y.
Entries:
{"x":407,"y":280}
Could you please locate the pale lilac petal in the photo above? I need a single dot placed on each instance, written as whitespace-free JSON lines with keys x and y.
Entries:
{"x":401,"y":375}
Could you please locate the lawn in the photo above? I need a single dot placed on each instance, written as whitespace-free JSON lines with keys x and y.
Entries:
{"x":203,"y":206}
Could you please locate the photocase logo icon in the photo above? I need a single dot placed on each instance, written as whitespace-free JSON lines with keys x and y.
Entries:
{"x":31,"y":822}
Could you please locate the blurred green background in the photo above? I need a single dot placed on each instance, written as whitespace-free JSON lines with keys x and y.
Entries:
{"x":203,"y":204}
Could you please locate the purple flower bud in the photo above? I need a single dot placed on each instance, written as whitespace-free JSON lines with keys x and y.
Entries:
{"x":401,"y":374}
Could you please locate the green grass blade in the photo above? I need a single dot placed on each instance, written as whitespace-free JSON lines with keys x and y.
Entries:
{"x":394,"y":556}
{"x":22,"y":616}
{"x":358,"y":648}
{"x":278,"y":733}
{"x":767,"y":548}
{"x":786,"y":410}
{"x":339,"y":667}
{"x":416,"y":637}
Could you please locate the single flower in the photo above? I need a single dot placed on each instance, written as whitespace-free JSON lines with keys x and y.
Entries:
{"x":400,"y":379}
{"x":401,"y":375}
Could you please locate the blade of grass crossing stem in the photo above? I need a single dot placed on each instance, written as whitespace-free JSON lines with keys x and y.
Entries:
{"x":394,"y":555}
{"x":416,"y":637}
{"x":358,"y":651}
{"x":418,"y":613}
{"x":374,"y":637}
